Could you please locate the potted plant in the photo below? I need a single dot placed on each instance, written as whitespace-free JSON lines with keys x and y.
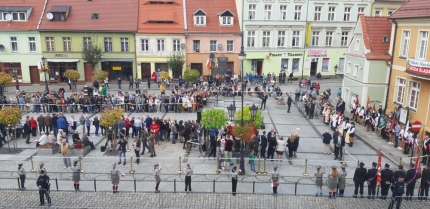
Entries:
{"x":73,"y":75}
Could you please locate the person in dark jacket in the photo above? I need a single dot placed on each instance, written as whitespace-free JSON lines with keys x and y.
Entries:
{"x":359,"y":178}
{"x":371,"y":181}
{"x":399,"y":172}
{"x":263,"y":141}
{"x":386,"y":178}
{"x":340,"y":106}
{"x":271,"y":138}
{"x":398,"y":189}
{"x":289,"y":101}
{"x":54,"y":126}
{"x":96,"y":123}
{"x":43,"y":184}
{"x":27,"y":132}
{"x":410,"y":180}
{"x":326,"y":140}
{"x":425,"y":182}
{"x":122,"y":149}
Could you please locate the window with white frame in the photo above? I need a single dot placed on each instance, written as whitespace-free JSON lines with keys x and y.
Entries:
{"x":325,"y":64}
{"x":49,"y":44}
{"x":108,"y":44}
{"x":200,"y":20}
{"x":357,"y":45}
{"x":378,"y":13}
{"x":226,"y":20}
{"x":400,"y":90}
{"x":252,"y":11}
{"x":266,"y":39}
{"x":124,"y":44}
{"x":297,"y":12}
{"x":67,"y":44}
{"x":160,"y":45}
{"x":196,"y":45}
{"x":284,"y":64}
{"x":317,"y":14}
{"x":360,"y":10}
{"x":295,"y":39}
{"x":414,"y":93}
{"x":347,"y":14}
{"x":283,"y":12}
{"x":19,"y":16}
{"x":230,"y":46}
{"x":145,"y":45}
{"x":329,"y":38}
{"x":267,"y":11}
{"x":331,"y":12}
{"x":315,"y":38}
{"x":32,"y":44}
{"x":295,"y":67}
{"x":390,"y":12}
{"x":341,"y":65}
{"x":406,"y":39}
{"x":251,"y":39}
{"x":355,"y":72}
{"x":344,"y":38}
{"x":176,"y":45}
{"x":13,"y":44}
{"x":87,"y":43}
{"x":423,"y":43}
{"x":281,"y":38}
{"x":348,"y":68}
{"x":212,"y":45}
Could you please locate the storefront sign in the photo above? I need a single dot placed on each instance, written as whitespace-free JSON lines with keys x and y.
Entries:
{"x":317,"y":53}
{"x":116,"y":68}
{"x":60,"y":55}
{"x":275,"y":55}
{"x":418,"y":67}
{"x":294,"y":55}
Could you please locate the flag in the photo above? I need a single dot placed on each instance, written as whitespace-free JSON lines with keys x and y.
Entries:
{"x":356,"y":100}
{"x":208,"y":63}
{"x":374,"y":107}
{"x":368,"y":102}
{"x":39,"y":65}
{"x":378,"y":178}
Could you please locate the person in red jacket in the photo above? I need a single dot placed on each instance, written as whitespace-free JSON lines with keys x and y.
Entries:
{"x":317,"y":87}
{"x":33,"y":126}
{"x":155,"y":128}
{"x":154,"y":77}
{"x":127,"y":126}
{"x":229,"y":128}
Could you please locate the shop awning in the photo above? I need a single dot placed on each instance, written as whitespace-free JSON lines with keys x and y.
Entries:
{"x":62,"y":60}
{"x":117,"y":60}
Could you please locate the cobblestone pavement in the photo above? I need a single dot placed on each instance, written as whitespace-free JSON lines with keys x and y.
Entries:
{"x":30,"y":199}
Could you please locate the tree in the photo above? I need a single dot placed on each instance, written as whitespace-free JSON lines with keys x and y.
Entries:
{"x":259,"y":118}
{"x":164,"y":75}
{"x":10,"y":115}
{"x":176,"y":62}
{"x":245,"y":133}
{"x":99,"y":75}
{"x":191,"y":75}
{"x":92,"y":55}
{"x":5,"y":78}
{"x":214,"y":118}
{"x":110,"y":116}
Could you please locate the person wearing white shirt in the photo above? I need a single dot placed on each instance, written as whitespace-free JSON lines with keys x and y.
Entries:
{"x":353,"y":108}
{"x":351,"y":133}
{"x":43,"y":139}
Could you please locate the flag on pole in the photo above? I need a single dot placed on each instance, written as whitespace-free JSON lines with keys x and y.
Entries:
{"x":374,"y":106}
{"x":356,"y":100}
{"x":378,"y":178}
{"x":417,"y":168}
{"x":39,"y":65}
{"x":368,"y":102}
{"x":208,"y":63}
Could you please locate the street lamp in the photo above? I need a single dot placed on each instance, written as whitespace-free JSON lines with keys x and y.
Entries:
{"x":231,"y":111}
{"x":242,"y":57}
{"x":44,"y":72}
{"x":254,"y":110}
{"x":335,"y":69}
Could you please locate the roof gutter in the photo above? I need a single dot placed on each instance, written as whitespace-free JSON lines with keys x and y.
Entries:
{"x":41,"y":16}
{"x":391,"y":67}
{"x":184,"y":6}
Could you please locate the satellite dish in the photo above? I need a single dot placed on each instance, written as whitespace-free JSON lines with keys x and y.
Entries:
{"x":50,"y":16}
{"x":8,"y":17}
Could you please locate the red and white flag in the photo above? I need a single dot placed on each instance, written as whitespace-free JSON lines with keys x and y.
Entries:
{"x":208,"y":63}
{"x":378,"y":178}
{"x":39,"y":65}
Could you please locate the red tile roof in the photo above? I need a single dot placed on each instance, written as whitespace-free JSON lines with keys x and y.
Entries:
{"x":374,"y":31}
{"x":152,"y":14}
{"x":412,"y":9}
{"x":212,"y":8}
{"x":33,"y":19}
{"x":114,"y":15}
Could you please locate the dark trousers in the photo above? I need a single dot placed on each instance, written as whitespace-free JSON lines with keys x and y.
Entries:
{"x":137,"y":155}
{"x":275,"y":189}
{"x":42,"y":193}
{"x":48,"y":129}
{"x":371,"y":189}
{"x":384,"y":189}
{"x":33,"y":131}
{"x":256,"y":149}
{"x":397,"y":200}
{"x":424,"y":189}
{"x":88,"y":130}
{"x":41,"y":128}
{"x":410,"y":189}
{"x":263,"y":104}
{"x":22,"y":180}
{"x":233,"y":185}
{"x":290,"y":152}
{"x":263,"y":152}
{"x":188,"y":183}
{"x":213,"y":151}
{"x":336,"y":152}
{"x":270,"y":153}
{"x":237,"y":146}
{"x":358,"y":184}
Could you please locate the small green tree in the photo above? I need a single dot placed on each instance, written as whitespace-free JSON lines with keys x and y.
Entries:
{"x":214,"y":118}
{"x":100,"y":75}
{"x":92,"y":55}
{"x":176,"y":62}
{"x":191,"y":75}
{"x":259,"y":118}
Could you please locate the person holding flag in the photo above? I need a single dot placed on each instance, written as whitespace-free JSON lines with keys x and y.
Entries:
{"x":426,"y":149}
{"x":412,"y":175}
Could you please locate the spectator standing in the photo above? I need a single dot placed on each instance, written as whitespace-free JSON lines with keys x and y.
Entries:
{"x":96,"y":124}
{"x":188,"y":174}
{"x":122,"y":150}
{"x":22,"y":175}
{"x":326,"y":140}
{"x":271,"y":137}
{"x":114,"y":176}
{"x":76,"y":175}
{"x":137,"y":147}
{"x":157,"y":170}
{"x":275,"y":180}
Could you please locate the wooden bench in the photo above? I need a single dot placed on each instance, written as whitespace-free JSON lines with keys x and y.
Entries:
{"x":81,"y":151}
{"x":48,"y":149}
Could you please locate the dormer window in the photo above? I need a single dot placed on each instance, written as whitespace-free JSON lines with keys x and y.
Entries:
{"x":12,"y":13}
{"x":199,"y":18}
{"x":226,"y":17}
{"x":60,"y":13}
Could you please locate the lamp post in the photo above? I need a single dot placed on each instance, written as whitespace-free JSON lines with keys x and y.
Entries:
{"x":335,"y":69}
{"x":242,"y":57}
{"x":44,"y":72}
{"x":231,"y":111}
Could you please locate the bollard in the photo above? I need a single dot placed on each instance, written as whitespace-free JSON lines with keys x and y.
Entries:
{"x":134,"y":185}
{"x":258,"y":172}
{"x":306,"y":168}
{"x":180,"y":165}
{"x":174,"y":185}
{"x":80,"y":164}
{"x":19,"y":185}
{"x":56,"y":183}
{"x":95,"y":186}
{"x":253,"y":187}
{"x":213,"y":190}
{"x":295,"y":188}
{"x":377,"y":191}
{"x":264,"y":167}
{"x":343,"y":157}
{"x":217,"y":166}
{"x":32,"y":164}
{"x":400,"y":161}
{"x":131,"y":165}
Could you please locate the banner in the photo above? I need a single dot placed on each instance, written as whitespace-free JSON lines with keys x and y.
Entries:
{"x":308,"y":34}
{"x":418,"y":67}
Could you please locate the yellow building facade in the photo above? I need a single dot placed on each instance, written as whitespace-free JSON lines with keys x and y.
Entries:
{"x":410,"y":72}
{"x":385,"y":7}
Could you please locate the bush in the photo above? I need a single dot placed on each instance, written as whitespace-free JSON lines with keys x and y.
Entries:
{"x":100,"y":75}
{"x":72,"y":74}
{"x":5,"y":78}
{"x":191,"y":75}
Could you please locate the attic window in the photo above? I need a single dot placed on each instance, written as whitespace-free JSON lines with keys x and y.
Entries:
{"x":160,"y":22}
{"x":385,"y":39}
{"x":161,"y":2}
{"x":95,"y":16}
{"x":199,"y":18}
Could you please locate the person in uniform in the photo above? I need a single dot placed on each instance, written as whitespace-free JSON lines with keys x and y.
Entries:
{"x":386,"y":178}
{"x":76,"y":175}
{"x":342,"y":180}
{"x":275,"y":180}
{"x":371,"y":181}
{"x":188,"y":174}
{"x":114,"y":176}
{"x":22,"y":175}
{"x":410,"y":180}
{"x":151,"y":141}
{"x":425,"y":149}
{"x":157,"y":170}
{"x":234,"y":174}
{"x":398,"y":172}
{"x":332,"y":181}
{"x":43,"y":184}
{"x":425,"y":182}
{"x":319,"y":180}
{"x":398,"y":189}
{"x":359,"y":178}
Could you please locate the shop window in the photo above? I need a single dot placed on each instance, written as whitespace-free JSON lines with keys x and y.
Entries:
{"x":57,"y":70}
{"x":13,"y":69}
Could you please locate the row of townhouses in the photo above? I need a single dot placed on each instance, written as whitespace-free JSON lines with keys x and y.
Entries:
{"x":138,"y":37}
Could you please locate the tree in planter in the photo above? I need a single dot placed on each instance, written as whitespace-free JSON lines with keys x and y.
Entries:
{"x":245,"y":133}
{"x":92,"y":55}
{"x":11,"y":116}
{"x":109,"y":117}
{"x":73,"y":75}
{"x":213,"y":118}
{"x":176,"y":63}
{"x":4,"y":78}
{"x":164,"y":75}
{"x":99,"y":75}
{"x":259,"y":118}
{"x":191,"y":75}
